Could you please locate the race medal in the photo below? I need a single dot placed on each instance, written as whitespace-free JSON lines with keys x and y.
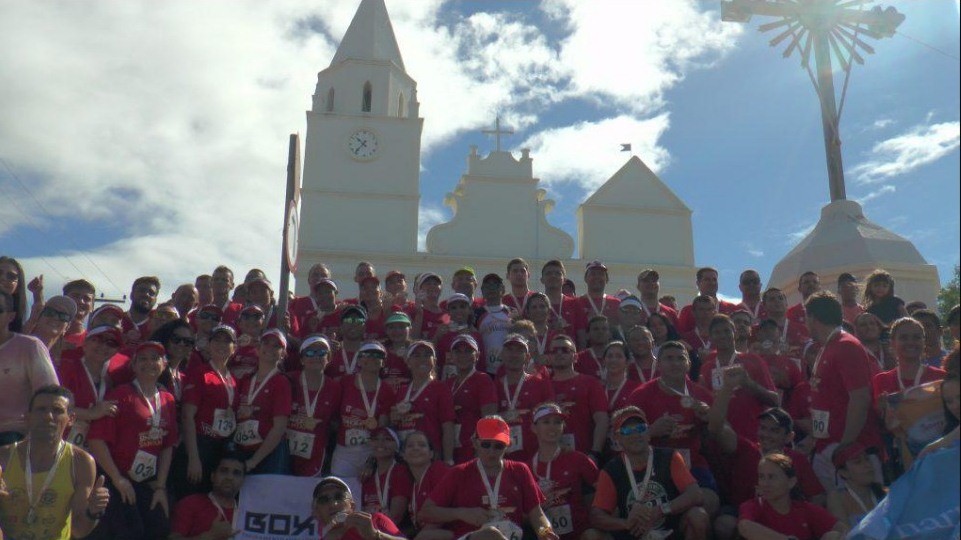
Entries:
{"x":309,"y":423}
{"x":244,"y":340}
{"x":31,"y":517}
{"x":156,"y":434}
{"x":371,"y":423}
{"x":404,"y":407}
{"x":245,"y":411}
{"x":511,"y":415}
{"x":546,"y":485}
{"x":687,"y":402}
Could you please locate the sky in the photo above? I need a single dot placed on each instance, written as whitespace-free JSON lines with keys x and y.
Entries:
{"x":142,"y":138}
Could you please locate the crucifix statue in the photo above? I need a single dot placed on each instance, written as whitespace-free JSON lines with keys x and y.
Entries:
{"x":824,"y":26}
{"x":497,"y":132}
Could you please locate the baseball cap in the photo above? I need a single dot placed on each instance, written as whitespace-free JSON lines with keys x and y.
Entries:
{"x":332,"y":481}
{"x":458,"y":297}
{"x":492,"y":277}
{"x":114,"y":308}
{"x":464,"y":338}
{"x":353,"y":310}
{"x":151,"y":345}
{"x":417,"y":345}
{"x":394,"y":273}
{"x":843,"y":454}
{"x":389,"y":432}
{"x":224,"y":329}
{"x":596,"y":264}
{"x":63,"y":303}
{"x":276,"y":334}
{"x":627,"y":413}
{"x":465,"y":270}
{"x":847,"y":277}
{"x":422,"y":278}
{"x":260,"y":280}
{"x":372,"y":346}
{"x":631,"y":301}
{"x":106,"y":331}
{"x":493,"y":429}
{"x":648,"y":273}
{"x":547,"y":409}
{"x":516,"y":338}
{"x":326,"y":281}
{"x":313,"y":340}
{"x":252,"y":308}
{"x":398,"y":317}
{"x":212,"y":308}
{"x":779,"y":415}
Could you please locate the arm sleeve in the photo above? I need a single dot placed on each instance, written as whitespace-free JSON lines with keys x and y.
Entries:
{"x":443,"y":492}
{"x":679,"y":474}
{"x":182,"y":519}
{"x":589,"y":473}
{"x":41,"y":368}
{"x":854,"y":367}
{"x":384,"y":524}
{"x":605,"y":496}
{"x":807,"y":479}
{"x":530,"y":491}
{"x":598,"y":398}
{"x":750,"y":510}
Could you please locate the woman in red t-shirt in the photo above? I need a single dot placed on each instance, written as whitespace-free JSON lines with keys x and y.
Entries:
{"x":315,"y":401}
{"x":425,"y":403}
{"x":425,"y":472}
{"x":264,"y":408}
{"x":386,"y":486}
{"x":397,"y":328}
{"x":777,"y":509}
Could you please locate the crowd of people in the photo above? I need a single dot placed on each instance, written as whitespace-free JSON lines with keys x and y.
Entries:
{"x":505,"y":415}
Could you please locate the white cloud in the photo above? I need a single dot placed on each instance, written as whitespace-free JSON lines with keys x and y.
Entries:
{"x":883,"y":190}
{"x":800,"y":233}
{"x":902,"y":154}
{"x":588,"y":153}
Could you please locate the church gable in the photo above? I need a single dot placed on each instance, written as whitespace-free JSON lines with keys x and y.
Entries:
{"x":635,"y":186}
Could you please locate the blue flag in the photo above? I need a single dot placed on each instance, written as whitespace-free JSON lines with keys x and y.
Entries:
{"x":924,"y":504}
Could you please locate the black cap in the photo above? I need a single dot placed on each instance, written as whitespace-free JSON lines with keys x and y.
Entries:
{"x":492,"y":277}
{"x":847,"y":277}
{"x":353,"y":310}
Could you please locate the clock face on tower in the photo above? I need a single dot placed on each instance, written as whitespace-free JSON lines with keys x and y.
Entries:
{"x":362,"y":144}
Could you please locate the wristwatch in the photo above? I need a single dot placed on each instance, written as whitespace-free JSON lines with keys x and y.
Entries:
{"x":541,"y":531}
{"x":666,"y":508}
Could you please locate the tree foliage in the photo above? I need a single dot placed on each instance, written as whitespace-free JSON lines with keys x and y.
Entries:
{"x":949,"y":295}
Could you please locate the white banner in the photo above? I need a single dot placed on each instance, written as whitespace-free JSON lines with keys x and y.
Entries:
{"x":276,"y":507}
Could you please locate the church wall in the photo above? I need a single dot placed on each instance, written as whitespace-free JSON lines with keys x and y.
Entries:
{"x":617,"y":234}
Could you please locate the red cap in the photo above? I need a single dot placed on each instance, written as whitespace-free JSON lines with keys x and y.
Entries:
{"x":155,"y":345}
{"x":843,"y":454}
{"x":493,"y":429}
{"x":213,"y":308}
{"x":628,"y":413}
{"x":106,"y":331}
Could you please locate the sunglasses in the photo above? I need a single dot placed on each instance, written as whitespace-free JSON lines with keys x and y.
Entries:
{"x":54,"y":314}
{"x":310,"y":353}
{"x":636,"y":429}
{"x":487,"y":445}
{"x":208,"y":316}
{"x":177,"y":340}
{"x":340,"y":496}
{"x":556,"y":350}
{"x":248,"y":316}
{"x":11,"y":276}
{"x":354,"y":320}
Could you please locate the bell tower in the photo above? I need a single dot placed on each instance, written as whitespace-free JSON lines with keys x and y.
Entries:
{"x":362,"y":152}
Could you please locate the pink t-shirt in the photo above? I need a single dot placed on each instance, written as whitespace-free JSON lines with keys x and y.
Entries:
{"x":25,"y":366}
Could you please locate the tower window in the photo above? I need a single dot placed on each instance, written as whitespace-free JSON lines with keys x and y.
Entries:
{"x":368,"y":98}
{"x":330,"y":99}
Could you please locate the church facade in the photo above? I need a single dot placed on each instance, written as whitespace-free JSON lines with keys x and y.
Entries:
{"x":361,"y":190}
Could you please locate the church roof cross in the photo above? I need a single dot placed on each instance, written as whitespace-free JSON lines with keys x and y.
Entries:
{"x":497,"y":132}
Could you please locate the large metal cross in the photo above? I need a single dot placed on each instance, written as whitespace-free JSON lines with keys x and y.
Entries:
{"x":824,"y":26}
{"x":497,"y":132}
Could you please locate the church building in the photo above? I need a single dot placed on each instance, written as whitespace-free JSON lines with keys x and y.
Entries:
{"x":361,"y":190}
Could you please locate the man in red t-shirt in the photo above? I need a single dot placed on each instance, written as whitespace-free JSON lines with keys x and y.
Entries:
{"x":808,"y":284}
{"x":82,"y":292}
{"x":706,"y":286}
{"x":211,"y":515}
{"x":750,"y":285}
{"x":565,"y":315}
{"x":841,"y":411}
{"x":595,"y":302}
{"x":649,"y":285}
{"x":848,"y":295}
{"x":489,"y":498}
{"x":794,"y":334}
{"x":334,"y":507}
{"x":143,"y":298}
{"x":518,"y":275}
{"x":583,"y":398}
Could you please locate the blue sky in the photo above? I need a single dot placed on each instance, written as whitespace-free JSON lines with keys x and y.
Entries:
{"x":146,"y":138}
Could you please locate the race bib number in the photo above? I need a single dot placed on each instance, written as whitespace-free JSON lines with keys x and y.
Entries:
{"x":509,"y":529}
{"x":820,"y":423}
{"x":301,"y":444}
{"x":493,"y":362}
{"x":224,"y":422}
{"x":717,"y":378}
{"x":144,"y":466}
{"x":356,"y":437}
{"x":567,"y":440}
{"x":248,"y":433}
{"x":517,"y":440}
{"x":78,"y":434}
{"x":560,"y":518}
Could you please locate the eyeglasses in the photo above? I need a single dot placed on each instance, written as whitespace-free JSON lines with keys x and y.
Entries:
{"x":354,"y":320}
{"x":54,"y":314}
{"x":487,"y":445}
{"x":557,"y":350}
{"x":208,"y":316}
{"x":178,"y":340}
{"x":248,"y":316}
{"x":340,"y":496}
{"x":10,"y":276}
{"x":636,"y":429}
{"x":310,"y":353}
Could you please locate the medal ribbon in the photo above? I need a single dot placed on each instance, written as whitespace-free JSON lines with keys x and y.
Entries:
{"x":28,"y":473}
{"x":420,"y":391}
{"x":227,"y":379}
{"x":817,"y":360}
{"x":917,"y":381}
{"x":610,"y":399}
{"x":310,"y":406}
{"x":154,"y":407}
{"x":858,"y":499}
{"x":458,"y":386}
{"x":639,"y":491}
{"x":255,"y":388}
{"x":363,"y":394}
{"x":512,"y":401}
{"x":557,"y":452}
{"x":493,"y":494}
{"x":594,"y":306}
{"x":384,"y":494}
{"x":101,"y":389}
